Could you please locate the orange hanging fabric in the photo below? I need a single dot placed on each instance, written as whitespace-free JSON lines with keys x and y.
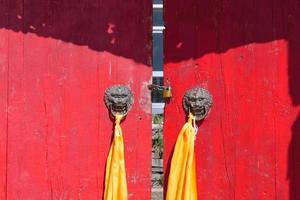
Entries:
{"x":182,"y":177}
{"x":115,"y":175}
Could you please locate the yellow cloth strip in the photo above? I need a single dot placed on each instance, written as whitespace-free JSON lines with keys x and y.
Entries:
{"x":182,"y":183}
{"x":115,"y":175}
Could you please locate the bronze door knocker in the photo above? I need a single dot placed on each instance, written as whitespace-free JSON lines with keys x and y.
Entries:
{"x":118,"y":99}
{"x":198,"y":101}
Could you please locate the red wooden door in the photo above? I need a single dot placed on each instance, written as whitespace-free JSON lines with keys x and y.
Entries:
{"x":247,"y":53}
{"x":56,"y":60}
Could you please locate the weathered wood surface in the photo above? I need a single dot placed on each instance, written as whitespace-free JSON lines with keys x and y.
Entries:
{"x":247,"y":54}
{"x":56,"y":60}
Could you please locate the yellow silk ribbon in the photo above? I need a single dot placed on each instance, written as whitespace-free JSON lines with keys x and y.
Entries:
{"x":182,"y":177}
{"x":115,"y":175}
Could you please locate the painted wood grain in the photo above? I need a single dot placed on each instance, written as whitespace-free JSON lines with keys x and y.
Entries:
{"x":3,"y":98}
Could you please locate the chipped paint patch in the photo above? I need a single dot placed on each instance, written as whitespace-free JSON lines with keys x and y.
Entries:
{"x":145,"y":97}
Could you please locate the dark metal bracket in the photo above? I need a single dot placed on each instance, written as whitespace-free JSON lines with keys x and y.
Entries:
{"x":167,"y":90}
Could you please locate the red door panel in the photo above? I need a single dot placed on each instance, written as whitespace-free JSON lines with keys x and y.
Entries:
{"x":246,"y":53}
{"x":57,"y":59}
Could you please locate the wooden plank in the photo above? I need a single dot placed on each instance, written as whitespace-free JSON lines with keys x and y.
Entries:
{"x":246,"y":55}
{"x":59,"y":128}
{"x":16,"y":132}
{"x":3,"y":96}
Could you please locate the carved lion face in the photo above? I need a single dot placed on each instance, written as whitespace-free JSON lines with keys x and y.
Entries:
{"x":118,"y":99}
{"x":198,"y":101}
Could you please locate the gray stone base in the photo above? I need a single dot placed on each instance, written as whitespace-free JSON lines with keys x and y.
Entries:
{"x":157,"y":194}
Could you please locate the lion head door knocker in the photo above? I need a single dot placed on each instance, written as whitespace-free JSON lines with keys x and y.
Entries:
{"x":198,"y":102}
{"x":118,"y":99}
